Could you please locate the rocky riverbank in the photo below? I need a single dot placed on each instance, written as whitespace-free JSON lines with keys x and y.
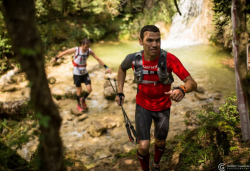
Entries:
{"x":98,"y":135}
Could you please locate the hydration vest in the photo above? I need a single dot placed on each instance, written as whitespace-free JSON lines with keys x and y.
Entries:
{"x":164,"y":76}
{"x":78,"y":65}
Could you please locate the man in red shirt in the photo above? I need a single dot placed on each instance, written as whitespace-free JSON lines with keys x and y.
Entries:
{"x":154,"y":94}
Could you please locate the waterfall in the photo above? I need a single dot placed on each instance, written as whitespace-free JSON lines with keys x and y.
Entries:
{"x":185,"y":29}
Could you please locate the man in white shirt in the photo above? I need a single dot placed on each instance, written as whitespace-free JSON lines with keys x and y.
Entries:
{"x":80,"y":73}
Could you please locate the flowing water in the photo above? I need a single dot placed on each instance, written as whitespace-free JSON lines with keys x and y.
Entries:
{"x":204,"y":62}
{"x":185,"y":29}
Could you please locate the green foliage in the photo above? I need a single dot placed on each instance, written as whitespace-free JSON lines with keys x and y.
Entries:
{"x":132,"y":23}
{"x":226,"y":120}
{"x":223,"y":22}
{"x":43,"y":120}
{"x":130,"y":153}
{"x":213,"y":140}
{"x":27,"y":52}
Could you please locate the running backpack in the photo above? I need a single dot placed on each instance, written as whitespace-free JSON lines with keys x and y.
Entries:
{"x":164,"y":76}
{"x":75,"y":64}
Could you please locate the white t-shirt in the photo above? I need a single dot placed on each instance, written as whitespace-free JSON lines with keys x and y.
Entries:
{"x":81,"y":59}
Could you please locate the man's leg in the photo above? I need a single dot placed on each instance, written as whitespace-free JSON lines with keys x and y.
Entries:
{"x":89,"y":89}
{"x":161,"y":121}
{"x":78,"y":94}
{"x":143,"y":154}
{"x":159,"y":151}
{"x":143,"y":121}
{"x":85,"y":79}
{"x":77,"y":82}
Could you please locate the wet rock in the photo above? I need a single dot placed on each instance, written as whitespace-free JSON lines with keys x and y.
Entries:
{"x":97,"y":128}
{"x":200,"y":90}
{"x":94,"y":68}
{"x":83,"y":117}
{"x":110,"y":123}
{"x":83,"y":128}
{"x":51,"y":80}
{"x":111,"y":76}
{"x":8,"y":88}
{"x":75,"y":112}
{"x":8,"y":77}
{"x":88,"y":151}
{"x":101,"y":154}
{"x":109,"y":93}
{"x":117,"y":146}
{"x":58,"y":62}
{"x":105,"y":106}
{"x":107,"y":84}
{"x":128,"y":147}
{"x":217,"y":96}
{"x":70,"y":92}
{"x":201,"y":96}
{"x":15,"y":108}
{"x":69,"y":118}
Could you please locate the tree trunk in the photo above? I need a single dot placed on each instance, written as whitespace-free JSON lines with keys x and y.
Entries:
{"x":240,"y":42}
{"x":19,"y":17}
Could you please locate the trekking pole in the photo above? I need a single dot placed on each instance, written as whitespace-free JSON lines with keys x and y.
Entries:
{"x":125,"y":117}
{"x":131,"y":126}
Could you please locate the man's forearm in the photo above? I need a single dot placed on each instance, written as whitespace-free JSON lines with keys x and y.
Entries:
{"x":190,"y":85}
{"x":121,"y":79}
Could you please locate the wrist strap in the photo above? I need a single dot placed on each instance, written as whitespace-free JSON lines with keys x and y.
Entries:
{"x":57,"y":58}
{"x":120,"y":95}
{"x":105,"y":66}
{"x":180,"y":89}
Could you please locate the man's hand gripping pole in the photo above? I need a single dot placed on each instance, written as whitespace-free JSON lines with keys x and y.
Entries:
{"x":126,"y":119}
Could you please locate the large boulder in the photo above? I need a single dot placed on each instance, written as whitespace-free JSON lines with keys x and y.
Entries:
{"x":94,"y":68}
{"x":109,"y":91}
{"x":200,"y":90}
{"x":15,"y":108}
{"x":97,"y":128}
{"x":201,"y":96}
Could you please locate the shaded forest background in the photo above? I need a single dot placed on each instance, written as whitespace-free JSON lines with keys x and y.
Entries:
{"x":63,"y":23}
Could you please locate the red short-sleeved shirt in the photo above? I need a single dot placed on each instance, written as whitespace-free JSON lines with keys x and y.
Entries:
{"x":150,"y":96}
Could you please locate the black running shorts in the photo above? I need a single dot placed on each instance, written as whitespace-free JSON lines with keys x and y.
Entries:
{"x":143,"y":121}
{"x":78,"y":79}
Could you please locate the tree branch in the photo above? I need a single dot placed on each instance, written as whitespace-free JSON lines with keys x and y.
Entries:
{"x":176,"y":5}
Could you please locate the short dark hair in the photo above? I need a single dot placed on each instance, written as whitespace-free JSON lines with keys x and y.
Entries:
{"x":151,"y":28}
{"x":85,"y":41}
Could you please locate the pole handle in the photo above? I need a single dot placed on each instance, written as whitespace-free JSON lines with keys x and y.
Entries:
{"x":135,"y":134}
{"x":129,"y":133}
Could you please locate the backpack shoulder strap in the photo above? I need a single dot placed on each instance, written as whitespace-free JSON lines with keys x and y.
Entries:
{"x":138,"y":59}
{"x":77,"y":53}
{"x":88,"y":52}
{"x":162,"y":62}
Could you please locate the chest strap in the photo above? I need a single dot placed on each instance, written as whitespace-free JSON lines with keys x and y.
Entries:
{"x":77,"y":65}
